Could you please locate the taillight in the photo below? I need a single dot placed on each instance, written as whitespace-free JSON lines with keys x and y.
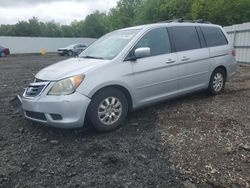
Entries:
{"x":234,"y":53}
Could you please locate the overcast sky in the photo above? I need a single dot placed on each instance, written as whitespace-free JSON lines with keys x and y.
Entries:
{"x":61,"y":11}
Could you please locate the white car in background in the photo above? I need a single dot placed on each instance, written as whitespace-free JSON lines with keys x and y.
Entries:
{"x":72,"y":50}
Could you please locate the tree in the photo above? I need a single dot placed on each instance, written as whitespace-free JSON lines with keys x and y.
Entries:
{"x":51,"y":29}
{"x":124,"y":13}
{"x":34,"y":27}
{"x":161,"y":10}
{"x":178,"y":8}
{"x":222,"y":12}
{"x":149,"y":12}
{"x":95,"y":25}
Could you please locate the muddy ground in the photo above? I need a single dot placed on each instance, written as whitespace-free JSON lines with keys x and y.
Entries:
{"x":193,"y":141}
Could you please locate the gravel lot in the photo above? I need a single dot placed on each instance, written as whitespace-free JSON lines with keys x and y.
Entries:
{"x":193,"y":141}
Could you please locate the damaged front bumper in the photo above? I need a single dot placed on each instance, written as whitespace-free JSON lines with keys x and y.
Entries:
{"x":67,"y":111}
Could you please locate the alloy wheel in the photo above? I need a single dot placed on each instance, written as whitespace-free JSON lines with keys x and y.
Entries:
{"x":218,"y":82}
{"x":110,"y":110}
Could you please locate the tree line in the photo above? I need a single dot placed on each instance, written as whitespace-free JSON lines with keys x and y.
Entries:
{"x":135,"y":12}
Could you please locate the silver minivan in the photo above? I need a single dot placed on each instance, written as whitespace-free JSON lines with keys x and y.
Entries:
{"x":129,"y":69}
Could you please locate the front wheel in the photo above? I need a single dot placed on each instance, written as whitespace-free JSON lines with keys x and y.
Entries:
{"x":217,"y":82}
{"x":107,"y":110}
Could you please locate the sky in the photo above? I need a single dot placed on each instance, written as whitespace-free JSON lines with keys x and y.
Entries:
{"x":60,"y":11}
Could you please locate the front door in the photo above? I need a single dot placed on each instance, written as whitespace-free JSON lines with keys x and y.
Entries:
{"x":155,"y":76}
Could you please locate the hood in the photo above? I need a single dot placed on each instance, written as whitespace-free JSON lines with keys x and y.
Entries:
{"x":62,"y":48}
{"x":69,"y":67}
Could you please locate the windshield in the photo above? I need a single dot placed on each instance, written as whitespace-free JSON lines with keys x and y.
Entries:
{"x":110,"y":45}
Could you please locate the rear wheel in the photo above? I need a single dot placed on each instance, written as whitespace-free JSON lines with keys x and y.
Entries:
{"x":107,"y":110}
{"x":217,"y":82}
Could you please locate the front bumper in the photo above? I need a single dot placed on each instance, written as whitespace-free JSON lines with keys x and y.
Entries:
{"x":66,"y":111}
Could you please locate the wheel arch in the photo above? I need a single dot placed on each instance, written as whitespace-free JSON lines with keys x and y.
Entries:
{"x":223,"y":68}
{"x":123,"y":89}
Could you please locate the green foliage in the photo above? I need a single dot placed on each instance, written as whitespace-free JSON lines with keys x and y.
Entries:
{"x":124,"y":13}
{"x":134,"y":12}
{"x":95,"y":25}
{"x":222,"y":12}
{"x":150,"y":12}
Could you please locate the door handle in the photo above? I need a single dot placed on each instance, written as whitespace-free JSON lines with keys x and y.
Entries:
{"x":170,"y":61}
{"x":185,"y":58}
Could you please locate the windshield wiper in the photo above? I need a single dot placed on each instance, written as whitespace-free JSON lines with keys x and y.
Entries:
{"x":92,"y":57}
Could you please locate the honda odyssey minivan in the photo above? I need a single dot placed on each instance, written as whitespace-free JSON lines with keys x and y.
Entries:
{"x":129,"y":69}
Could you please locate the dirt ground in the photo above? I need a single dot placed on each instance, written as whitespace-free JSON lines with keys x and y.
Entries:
{"x":193,"y":141}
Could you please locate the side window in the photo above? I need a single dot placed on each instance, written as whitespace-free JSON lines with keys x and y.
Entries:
{"x":214,"y":36}
{"x":185,"y":38}
{"x":157,"y":40}
{"x":201,"y":37}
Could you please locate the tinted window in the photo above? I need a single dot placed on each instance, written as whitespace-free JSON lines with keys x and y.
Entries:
{"x":185,"y":38}
{"x":201,"y":37}
{"x":157,"y":40}
{"x":214,"y":36}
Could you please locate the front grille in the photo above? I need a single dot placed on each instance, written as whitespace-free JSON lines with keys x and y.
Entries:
{"x":36,"y":115}
{"x":33,"y":90}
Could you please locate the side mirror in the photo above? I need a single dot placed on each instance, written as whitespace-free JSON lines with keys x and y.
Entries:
{"x":142,"y":52}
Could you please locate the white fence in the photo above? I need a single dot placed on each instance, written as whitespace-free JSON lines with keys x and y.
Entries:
{"x":240,"y":37}
{"x":35,"y":44}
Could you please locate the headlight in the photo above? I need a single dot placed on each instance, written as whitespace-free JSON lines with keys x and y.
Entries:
{"x":66,"y":86}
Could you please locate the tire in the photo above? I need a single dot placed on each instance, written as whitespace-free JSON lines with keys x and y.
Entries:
{"x":107,"y":110}
{"x":70,"y":53}
{"x":217,"y":82}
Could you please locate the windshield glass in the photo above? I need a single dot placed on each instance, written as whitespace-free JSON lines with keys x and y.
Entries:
{"x":110,"y":45}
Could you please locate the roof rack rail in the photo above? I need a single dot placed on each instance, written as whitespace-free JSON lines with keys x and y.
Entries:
{"x":173,"y":20}
{"x":182,"y":20}
{"x":202,"y":21}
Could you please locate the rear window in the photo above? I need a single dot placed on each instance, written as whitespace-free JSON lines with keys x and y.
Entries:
{"x":214,"y":36}
{"x":185,"y":38}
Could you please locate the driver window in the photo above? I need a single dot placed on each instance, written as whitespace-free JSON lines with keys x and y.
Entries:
{"x":157,"y":40}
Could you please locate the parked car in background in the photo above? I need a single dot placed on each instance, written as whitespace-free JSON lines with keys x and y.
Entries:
{"x":4,"y":51}
{"x":72,"y":50}
{"x":129,"y":69}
